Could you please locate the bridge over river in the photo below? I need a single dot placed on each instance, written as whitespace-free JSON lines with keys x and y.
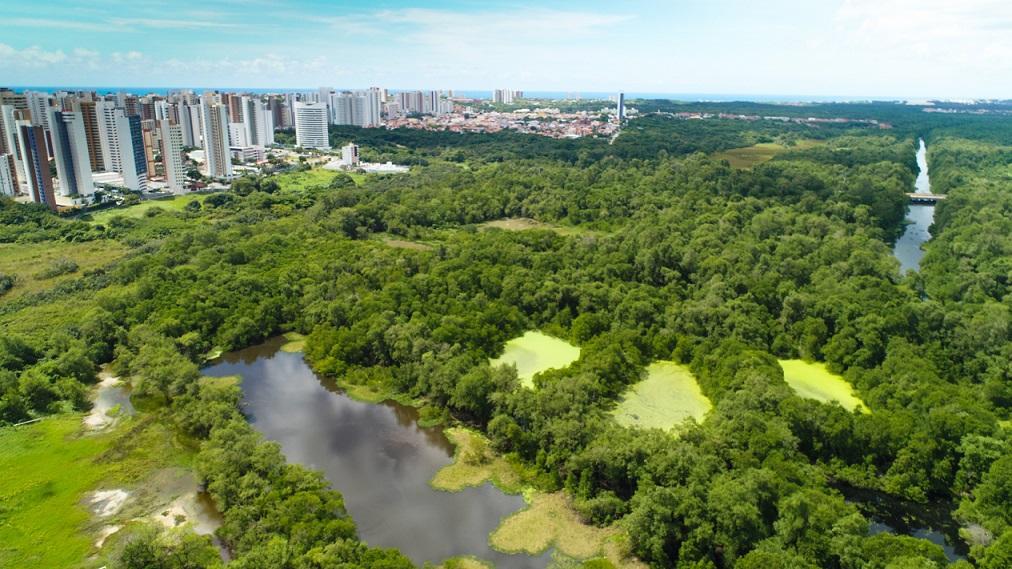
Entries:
{"x":920,"y":198}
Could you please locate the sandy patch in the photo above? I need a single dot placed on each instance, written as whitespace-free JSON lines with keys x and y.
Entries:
{"x":104,"y":533}
{"x":189,"y":509}
{"x":105,"y":503}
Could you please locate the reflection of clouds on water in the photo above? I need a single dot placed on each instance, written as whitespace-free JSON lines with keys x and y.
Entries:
{"x":376,"y":456}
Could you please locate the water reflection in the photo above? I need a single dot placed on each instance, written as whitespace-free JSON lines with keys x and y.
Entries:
{"x":919,"y":218}
{"x":376,"y":455}
{"x":887,"y":514}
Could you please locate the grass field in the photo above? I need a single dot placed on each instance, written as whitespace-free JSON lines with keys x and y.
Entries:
{"x":524,"y":223}
{"x":404,"y":244}
{"x":306,"y":179}
{"x":295,"y":342}
{"x":47,"y":468}
{"x":473,"y":464}
{"x":534,"y":353}
{"x":751,"y":156}
{"x":27,"y":260}
{"x":814,"y":381}
{"x":668,"y":396}
{"x":464,"y":563}
{"x":136,"y":211}
{"x":550,"y":520}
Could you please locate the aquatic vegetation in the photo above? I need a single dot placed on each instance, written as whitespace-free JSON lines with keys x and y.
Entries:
{"x":814,"y":381}
{"x":668,"y":396}
{"x":534,"y":353}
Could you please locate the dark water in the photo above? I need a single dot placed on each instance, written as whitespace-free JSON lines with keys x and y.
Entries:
{"x":376,"y":455}
{"x":919,"y":218}
{"x":887,"y":514}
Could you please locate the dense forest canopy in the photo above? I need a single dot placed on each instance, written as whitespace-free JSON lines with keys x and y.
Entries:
{"x":651,"y":248}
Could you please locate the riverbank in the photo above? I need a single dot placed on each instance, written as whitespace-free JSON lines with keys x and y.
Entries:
{"x":549,"y":521}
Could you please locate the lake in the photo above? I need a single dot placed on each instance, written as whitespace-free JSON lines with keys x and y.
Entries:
{"x":919,"y":218}
{"x":375,"y":455}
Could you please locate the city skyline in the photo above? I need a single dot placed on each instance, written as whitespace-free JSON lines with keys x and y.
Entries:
{"x":845,"y":48}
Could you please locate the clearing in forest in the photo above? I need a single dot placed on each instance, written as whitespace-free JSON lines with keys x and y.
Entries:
{"x":668,"y":396}
{"x":815,"y":381}
{"x":534,"y":353}
{"x":524,"y":223}
{"x":751,"y":156}
{"x":37,"y":267}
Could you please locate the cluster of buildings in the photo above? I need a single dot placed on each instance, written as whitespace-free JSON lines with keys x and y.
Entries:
{"x":543,"y":121}
{"x":151,"y":142}
{"x":812,"y":121}
{"x":123,"y":141}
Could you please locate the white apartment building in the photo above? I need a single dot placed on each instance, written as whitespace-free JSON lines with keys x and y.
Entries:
{"x":311,"y":125}
{"x":105,"y":114}
{"x":8,"y":130}
{"x":349,"y":156}
{"x":7,"y":186}
{"x":217,"y":161}
{"x":70,"y":152}
{"x":172,"y":156}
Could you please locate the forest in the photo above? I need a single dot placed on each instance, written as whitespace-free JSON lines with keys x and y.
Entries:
{"x":652,"y":248}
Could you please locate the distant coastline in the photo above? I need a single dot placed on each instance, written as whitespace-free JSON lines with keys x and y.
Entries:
{"x":487,"y":94}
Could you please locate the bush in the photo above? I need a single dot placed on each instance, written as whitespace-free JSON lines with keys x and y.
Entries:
{"x":58,"y":267}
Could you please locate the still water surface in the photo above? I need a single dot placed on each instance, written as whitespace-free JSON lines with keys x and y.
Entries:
{"x":919,"y":218}
{"x":375,"y":455}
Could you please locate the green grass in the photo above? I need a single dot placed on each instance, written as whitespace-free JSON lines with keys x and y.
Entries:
{"x":27,"y":260}
{"x":295,"y":342}
{"x":668,"y":396}
{"x":751,"y":156}
{"x":550,"y":520}
{"x":137,"y":211}
{"x":814,"y":381}
{"x":47,"y":468}
{"x":474,"y":463}
{"x":525,"y":223}
{"x":534,"y":353}
{"x":306,"y":179}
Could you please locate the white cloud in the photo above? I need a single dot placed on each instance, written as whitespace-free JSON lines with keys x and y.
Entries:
{"x":33,"y":56}
{"x":164,"y":23}
{"x":945,"y":31}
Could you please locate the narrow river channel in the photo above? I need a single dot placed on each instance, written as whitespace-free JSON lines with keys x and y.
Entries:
{"x":376,"y":456}
{"x":919,"y":218}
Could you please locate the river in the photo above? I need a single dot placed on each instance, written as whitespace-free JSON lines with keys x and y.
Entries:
{"x":375,"y":455}
{"x":919,"y":218}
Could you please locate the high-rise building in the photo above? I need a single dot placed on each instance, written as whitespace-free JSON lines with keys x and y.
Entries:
{"x":8,"y":185}
{"x":349,"y":155}
{"x":38,"y":105}
{"x":92,"y":134}
{"x":151,"y":137}
{"x":410,"y":102}
{"x":311,"y":125}
{"x":9,"y":140}
{"x":620,"y":108}
{"x":214,"y":118}
{"x":32,"y":141}
{"x":237,"y":134}
{"x":506,"y":96}
{"x":106,"y":115}
{"x":256,"y":122}
{"x":70,"y":152}
{"x":131,"y":149}
{"x":172,"y":156}
{"x":189,"y":119}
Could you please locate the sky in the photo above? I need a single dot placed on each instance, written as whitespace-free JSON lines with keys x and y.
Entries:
{"x":846,"y":48}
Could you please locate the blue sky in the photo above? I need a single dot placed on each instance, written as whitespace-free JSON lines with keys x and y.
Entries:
{"x":908,"y":48}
